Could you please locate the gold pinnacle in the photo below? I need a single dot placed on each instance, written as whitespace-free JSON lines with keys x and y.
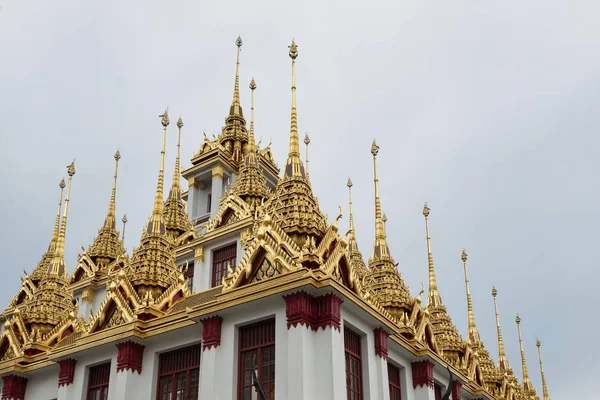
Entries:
{"x":180,"y":122}
{"x":349,"y":184}
{"x":293,"y":50}
{"x":306,"y":139}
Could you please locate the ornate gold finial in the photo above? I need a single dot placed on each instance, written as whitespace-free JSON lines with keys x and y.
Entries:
{"x":544,"y":387}
{"x":251,"y":155}
{"x":124,"y":220}
{"x":52,"y":245}
{"x":433,"y":297}
{"x":156,"y":223}
{"x":526,"y":382}
{"x":502,"y":360}
{"x":180,"y":122}
{"x":380,"y":247}
{"x":57,"y":267}
{"x":235,"y":106}
{"x":294,"y":167}
{"x":353,"y":246}
{"x":110,"y":222}
{"x":472,"y":333}
{"x":306,"y":142}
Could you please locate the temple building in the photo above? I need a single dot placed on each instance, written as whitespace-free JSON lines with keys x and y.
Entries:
{"x":241,"y":288}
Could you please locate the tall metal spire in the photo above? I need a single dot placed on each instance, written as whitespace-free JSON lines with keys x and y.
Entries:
{"x":352,"y":244}
{"x":294,"y":167}
{"x":235,"y":104}
{"x":544,"y":387}
{"x":433,"y":298}
{"x":52,"y":245}
{"x":156,"y":223}
{"x":502,"y":360}
{"x":306,"y":142}
{"x":527,"y":385}
{"x":57,"y":267}
{"x":251,"y":139}
{"x":472,"y":333}
{"x":380,"y":247}
{"x":110,"y":221}
{"x":175,"y":192}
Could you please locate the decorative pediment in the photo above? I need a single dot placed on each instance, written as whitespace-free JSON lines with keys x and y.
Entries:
{"x":232,"y":209}
{"x":8,"y":348}
{"x":85,"y":269}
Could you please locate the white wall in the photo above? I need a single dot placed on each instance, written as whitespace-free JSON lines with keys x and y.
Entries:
{"x":42,"y":384}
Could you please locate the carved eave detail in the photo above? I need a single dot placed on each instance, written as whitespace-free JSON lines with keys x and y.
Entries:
{"x":231,"y":209}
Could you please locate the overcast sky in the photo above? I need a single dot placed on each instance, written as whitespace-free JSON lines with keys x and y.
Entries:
{"x":487,"y":110}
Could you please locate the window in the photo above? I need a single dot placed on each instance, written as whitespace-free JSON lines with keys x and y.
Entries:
{"x":394,"y":382}
{"x":353,"y":365}
{"x":438,"y":392}
{"x":98,"y":382}
{"x":257,"y":353}
{"x":189,"y":275}
{"x":221,"y":259}
{"x":208,"y":202}
{"x":179,"y":374}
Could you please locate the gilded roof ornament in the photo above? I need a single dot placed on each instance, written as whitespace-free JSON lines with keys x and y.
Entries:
{"x":176,"y":218}
{"x":544,"y":387}
{"x":124,"y":220}
{"x":526,"y":382}
{"x":356,"y":257}
{"x":57,"y":266}
{"x":502,"y":360}
{"x":107,"y":247}
{"x":433,"y":297}
{"x":472,"y":333}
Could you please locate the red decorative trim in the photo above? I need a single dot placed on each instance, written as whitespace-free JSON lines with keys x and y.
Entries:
{"x":381,"y":342}
{"x":456,"y":390}
{"x":422,"y":373}
{"x":14,"y":387}
{"x":130,"y":356}
{"x":66,"y":372}
{"x":313,"y":312}
{"x":211,"y":332}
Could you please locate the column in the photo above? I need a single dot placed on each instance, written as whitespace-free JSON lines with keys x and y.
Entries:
{"x":211,"y":340}
{"x":14,"y":387}
{"x":217,"y":189}
{"x":191,"y":200}
{"x":66,"y":376}
{"x":380,"y":384}
{"x":422,"y":377}
{"x":129,"y":370}
{"x":201,"y":274}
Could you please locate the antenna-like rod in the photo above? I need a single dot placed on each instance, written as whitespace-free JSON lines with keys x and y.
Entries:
{"x":124,"y":223}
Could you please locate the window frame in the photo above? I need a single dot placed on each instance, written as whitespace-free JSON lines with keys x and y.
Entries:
{"x":175,"y":372}
{"x":222,"y":262}
{"x":103,"y":385}
{"x":395,"y":385}
{"x":353,"y":353}
{"x":258,"y":349}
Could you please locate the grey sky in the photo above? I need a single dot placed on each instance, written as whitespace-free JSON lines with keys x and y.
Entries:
{"x":487,"y":110}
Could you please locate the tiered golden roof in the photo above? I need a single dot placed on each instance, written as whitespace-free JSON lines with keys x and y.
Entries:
{"x":447,"y":336}
{"x":107,"y":246}
{"x":293,"y":205}
{"x":383,"y":281}
{"x":176,"y":218}
{"x":251,"y":185}
{"x":153,"y":267}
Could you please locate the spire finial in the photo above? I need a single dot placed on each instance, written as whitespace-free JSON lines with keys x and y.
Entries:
{"x":156,"y":224}
{"x":527,"y":386}
{"x":433,"y":297}
{"x":252,"y":141}
{"x":472,"y":333}
{"x":293,"y":165}
{"x":110,"y":222}
{"x":57,"y":267}
{"x":380,"y":247}
{"x":502,"y":360}
{"x":306,"y":142}
{"x":544,"y":387}
{"x":235,"y":105}
{"x":175,"y":192}
{"x":52,"y":245}
{"x":124,"y":220}
{"x":349,"y":184}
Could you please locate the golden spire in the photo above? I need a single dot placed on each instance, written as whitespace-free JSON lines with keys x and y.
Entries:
{"x":156,"y":223}
{"x":353,"y":246}
{"x":502,"y":360}
{"x":52,"y":245}
{"x":251,"y":184}
{"x":294,"y":165}
{"x":306,"y":142}
{"x":124,"y":220}
{"x":175,"y":187}
{"x":544,"y":387}
{"x":235,"y":104}
{"x":433,"y":297}
{"x":110,"y":221}
{"x":472,"y":333}
{"x":380,"y":247}
{"x":527,"y":386}
{"x":57,"y":267}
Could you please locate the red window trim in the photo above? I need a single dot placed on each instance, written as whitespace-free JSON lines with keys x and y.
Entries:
{"x":258,"y":337}
{"x":187,"y":359}
{"x":353,"y":352}
{"x":220,"y":258}
{"x":98,"y":378}
{"x":394,"y":381}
